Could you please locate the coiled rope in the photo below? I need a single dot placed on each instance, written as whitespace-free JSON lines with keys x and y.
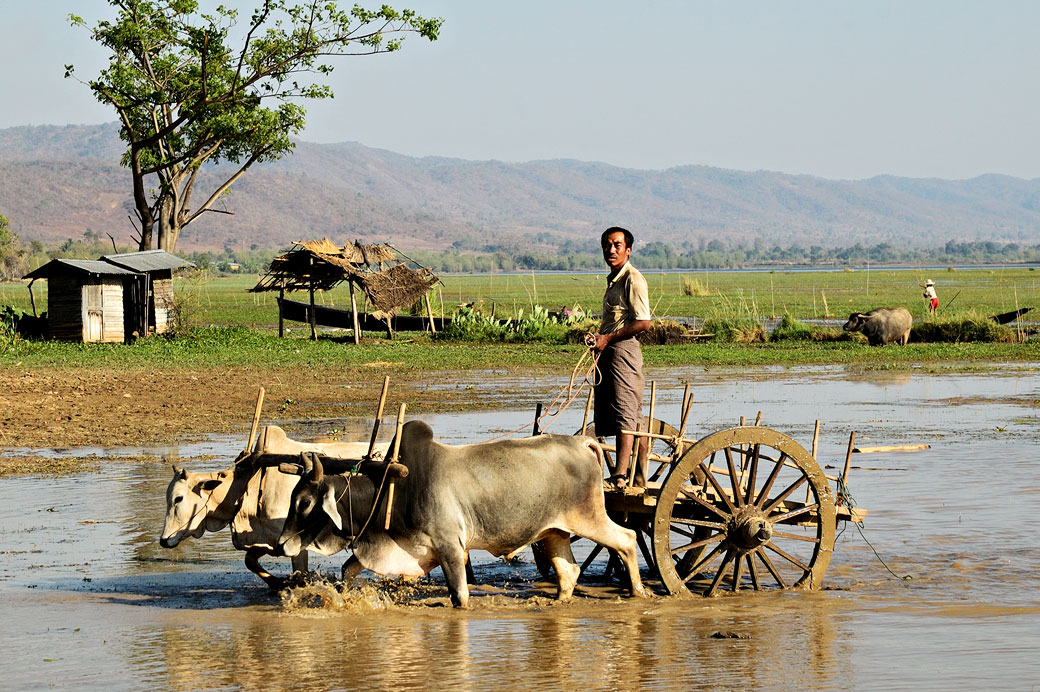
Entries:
{"x":587,"y":369}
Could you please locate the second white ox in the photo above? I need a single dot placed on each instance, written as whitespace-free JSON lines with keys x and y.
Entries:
{"x":254,"y":502}
{"x":498,"y":496}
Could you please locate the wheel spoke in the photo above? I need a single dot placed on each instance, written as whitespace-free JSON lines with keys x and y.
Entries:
{"x":644,"y":548}
{"x":592,"y":556}
{"x":702,"y":562}
{"x":783,"y":496}
{"x":752,"y":477}
{"x":764,"y":495}
{"x":704,"y":503}
{"x":794,"y":513}
{"x":738,"y":571}
{"x":698,"y":543}
{"x":787,"y":556}
{"x":734,"y":477}
{"x":718,"y":489}
{"x":719,"y":573}
{"x":750,"y":558}
{"x":698,"y":522}
{"x":796,"y":536}
{"x":769,"y":566}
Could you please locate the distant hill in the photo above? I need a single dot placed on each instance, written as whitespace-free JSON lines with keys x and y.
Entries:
{"x":56,"y":182}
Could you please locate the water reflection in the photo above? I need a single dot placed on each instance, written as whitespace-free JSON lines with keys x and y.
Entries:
{"x":773,"y":642}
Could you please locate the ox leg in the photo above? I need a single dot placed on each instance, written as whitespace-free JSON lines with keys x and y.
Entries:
{"x":621,"y":540}
{"x":453,"y":563}
{"x":254,"y":566}
{"x":558,"y":546}
{"x":299,"y":562}
{"x":351,"y":568}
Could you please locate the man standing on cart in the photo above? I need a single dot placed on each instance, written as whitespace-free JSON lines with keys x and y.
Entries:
{"x":619,"y":392}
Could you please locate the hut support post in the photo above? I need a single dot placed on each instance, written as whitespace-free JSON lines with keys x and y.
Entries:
{"x":354,"y":315}
{"x":32,"y":299}
{"x":429,"y":312}
{"x":281,"y":317}
{"x":314,"y":321}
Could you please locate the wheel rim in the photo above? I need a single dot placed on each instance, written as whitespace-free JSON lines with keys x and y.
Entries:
{"x":746,"y":508}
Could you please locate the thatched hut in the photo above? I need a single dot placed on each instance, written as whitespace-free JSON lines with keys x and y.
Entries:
{"x":380,"y":272}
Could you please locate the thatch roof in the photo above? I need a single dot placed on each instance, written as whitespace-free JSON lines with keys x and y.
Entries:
{"x":321,"y":265}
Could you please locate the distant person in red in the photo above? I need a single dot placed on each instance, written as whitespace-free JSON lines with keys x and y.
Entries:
{"x":929,"y":294}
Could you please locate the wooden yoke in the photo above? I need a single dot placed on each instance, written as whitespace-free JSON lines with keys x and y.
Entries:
{"x":256,"y":420}
{"x":379,"y":417}
{"x":393,"y":461}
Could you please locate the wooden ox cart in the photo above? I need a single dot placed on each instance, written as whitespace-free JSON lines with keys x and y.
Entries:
{"x":743,"y":508}
{"x":746,"y":508}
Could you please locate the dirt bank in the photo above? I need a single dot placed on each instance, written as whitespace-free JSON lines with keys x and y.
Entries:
{"x":81,"y":407}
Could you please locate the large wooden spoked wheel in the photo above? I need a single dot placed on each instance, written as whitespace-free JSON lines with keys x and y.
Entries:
{"x":746,"y":508}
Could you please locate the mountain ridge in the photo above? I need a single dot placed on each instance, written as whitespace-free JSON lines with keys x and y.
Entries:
{"x":57,"y":182}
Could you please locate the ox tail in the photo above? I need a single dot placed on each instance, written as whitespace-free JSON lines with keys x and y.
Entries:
{"x":597,"y":449}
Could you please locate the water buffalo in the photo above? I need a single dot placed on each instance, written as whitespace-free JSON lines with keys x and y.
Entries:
{"x":882,"y":325}
{"x":497,"y":496}
{"x":254,"y":501}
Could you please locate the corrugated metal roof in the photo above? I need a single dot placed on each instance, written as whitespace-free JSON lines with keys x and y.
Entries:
{"x":63,"y":267}
{"x":149,"y":260}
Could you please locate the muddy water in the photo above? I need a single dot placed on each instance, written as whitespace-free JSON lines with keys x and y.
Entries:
{"x":89,"y":600}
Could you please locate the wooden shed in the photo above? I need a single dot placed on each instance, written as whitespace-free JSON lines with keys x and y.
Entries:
{"x":157,"y":266}
{"x":112,"y":299}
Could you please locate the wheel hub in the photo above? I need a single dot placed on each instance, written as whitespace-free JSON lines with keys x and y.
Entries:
{"x":749,"y":529}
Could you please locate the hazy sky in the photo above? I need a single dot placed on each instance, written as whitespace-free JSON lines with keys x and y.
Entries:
{"x":834,"y":88}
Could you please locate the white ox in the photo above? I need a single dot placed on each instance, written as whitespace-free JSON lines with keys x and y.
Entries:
{"x":254,"y":501}
{"x":497,"y":496}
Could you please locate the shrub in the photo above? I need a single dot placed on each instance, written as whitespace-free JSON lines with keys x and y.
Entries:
{"x":469,"y":324}
{"x":956,"y":330}
{"x":792,"y":329}
{"x":742,"y":330}
{"x":664,"y":333}
{"x":693,"y":287}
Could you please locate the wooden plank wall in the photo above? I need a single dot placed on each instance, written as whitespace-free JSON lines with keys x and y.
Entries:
{"x":112,"y":310}
{"x":162,"y":289}
{"x":65,"y":308}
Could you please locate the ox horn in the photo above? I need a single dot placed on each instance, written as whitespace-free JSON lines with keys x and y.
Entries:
{"x":305,"y":459}
{"x":319,"y":472}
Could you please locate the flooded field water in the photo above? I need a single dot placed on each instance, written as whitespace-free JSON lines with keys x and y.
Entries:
{"x":89,"y":600}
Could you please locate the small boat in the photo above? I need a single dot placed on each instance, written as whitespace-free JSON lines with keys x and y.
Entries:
{"x":1005,"y":317}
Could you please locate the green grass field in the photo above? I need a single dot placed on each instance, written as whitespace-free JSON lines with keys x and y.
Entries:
{"x":801,"y":294}
{"x":224,"y":307}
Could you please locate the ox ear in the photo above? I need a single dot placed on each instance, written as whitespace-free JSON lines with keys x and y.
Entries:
{"x":328,"y":503}
{"x":207,"y":486}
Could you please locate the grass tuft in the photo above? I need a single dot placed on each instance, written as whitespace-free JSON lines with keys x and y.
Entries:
{"x":962,"y":329}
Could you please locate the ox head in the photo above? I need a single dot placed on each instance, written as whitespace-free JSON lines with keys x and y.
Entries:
{"x":312,"y":510}
{"x":856,"y":322}
{"x":189,"y":501}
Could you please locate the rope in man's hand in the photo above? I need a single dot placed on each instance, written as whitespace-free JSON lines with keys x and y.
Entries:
{"x":590,"y":375}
